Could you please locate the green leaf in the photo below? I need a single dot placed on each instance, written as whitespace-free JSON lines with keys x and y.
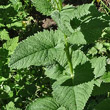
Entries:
{"x":54,"y":71}
{"x":92,"y":28}
{"x":106,"y":78}
{"x":83,"y":73}
{"x":77,"y":38}
{"x":7,"y":15}
{"x":99,"y":66}
{"x":68,"y":13}
{"x":62,"y":108}
{"x":4,"y":35}
{"x":16,"y":4}
{"x":39,"y":49}
{"x":78,"y":57}
{"x":98,"y":82}
{"x":93,"y":51}
{"x":17,"y":24}
{"x":88,"y":30}
{"x":85,"y":9}
{"x":107,"y":30}
{"x":60,"y":68}
{"x":104,"y":105}
{"x":57,"y":70}
{"x":2,"y":79}
{"x":80,"y":23}
{"x":63,"y":20}
{"x":101,"y":90}
{"x":10,"y":45}
{"x":11,"y":106}
{"x":43,"y":104}
{"x":72,"y":97}
{"x":43,"y":6}
{"x":61,"y":58}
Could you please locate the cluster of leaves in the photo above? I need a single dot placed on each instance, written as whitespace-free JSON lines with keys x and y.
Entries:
{"x":67,"y":55}
{"x":17,"y":87}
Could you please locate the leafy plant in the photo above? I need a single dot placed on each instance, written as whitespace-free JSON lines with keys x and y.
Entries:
{"x":15,"y":85}
{"x":61,"y":53}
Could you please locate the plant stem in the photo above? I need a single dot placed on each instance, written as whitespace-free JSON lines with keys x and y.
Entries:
{"x":59,"y":6}
{"x":66,"y":44}
{"x":93,"y":1}
{"x":68,"y":56}
{"x":105,"y":5}
{"x":108,"y":94}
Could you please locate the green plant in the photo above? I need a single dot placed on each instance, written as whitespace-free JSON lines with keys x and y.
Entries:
{"x":15,"y":92}
{"x":77,"y":76}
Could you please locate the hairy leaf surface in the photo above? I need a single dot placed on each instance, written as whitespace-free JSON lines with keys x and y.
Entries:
{"x":61,"y":68}
{"x":99,"y":66}
{"x":77,"y":38}
{"x":78,"y":57}
{"x":73,"y":97}
{"x":43,"y":6}
{"x":43,"y":104}
{"x":68,"y":13}
{"x":39,"y":49}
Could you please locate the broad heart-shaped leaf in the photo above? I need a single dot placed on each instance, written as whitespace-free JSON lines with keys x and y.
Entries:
{"x":104,"y":105}
{"x":99,"y":66}
{"x":72,"y":97}
{"x":43,"y":6}
{"x":43,"y":104}
{"x":39,"y":49}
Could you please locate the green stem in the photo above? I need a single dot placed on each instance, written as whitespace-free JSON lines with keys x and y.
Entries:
{"x":93,"y":1}
{"x":59,"y":6}
{"x":106,"y":12}
{"x":68,"y":56}
{"x":105,"y":5}
{"x":66,"y":44}
{"x":108,"y":94}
